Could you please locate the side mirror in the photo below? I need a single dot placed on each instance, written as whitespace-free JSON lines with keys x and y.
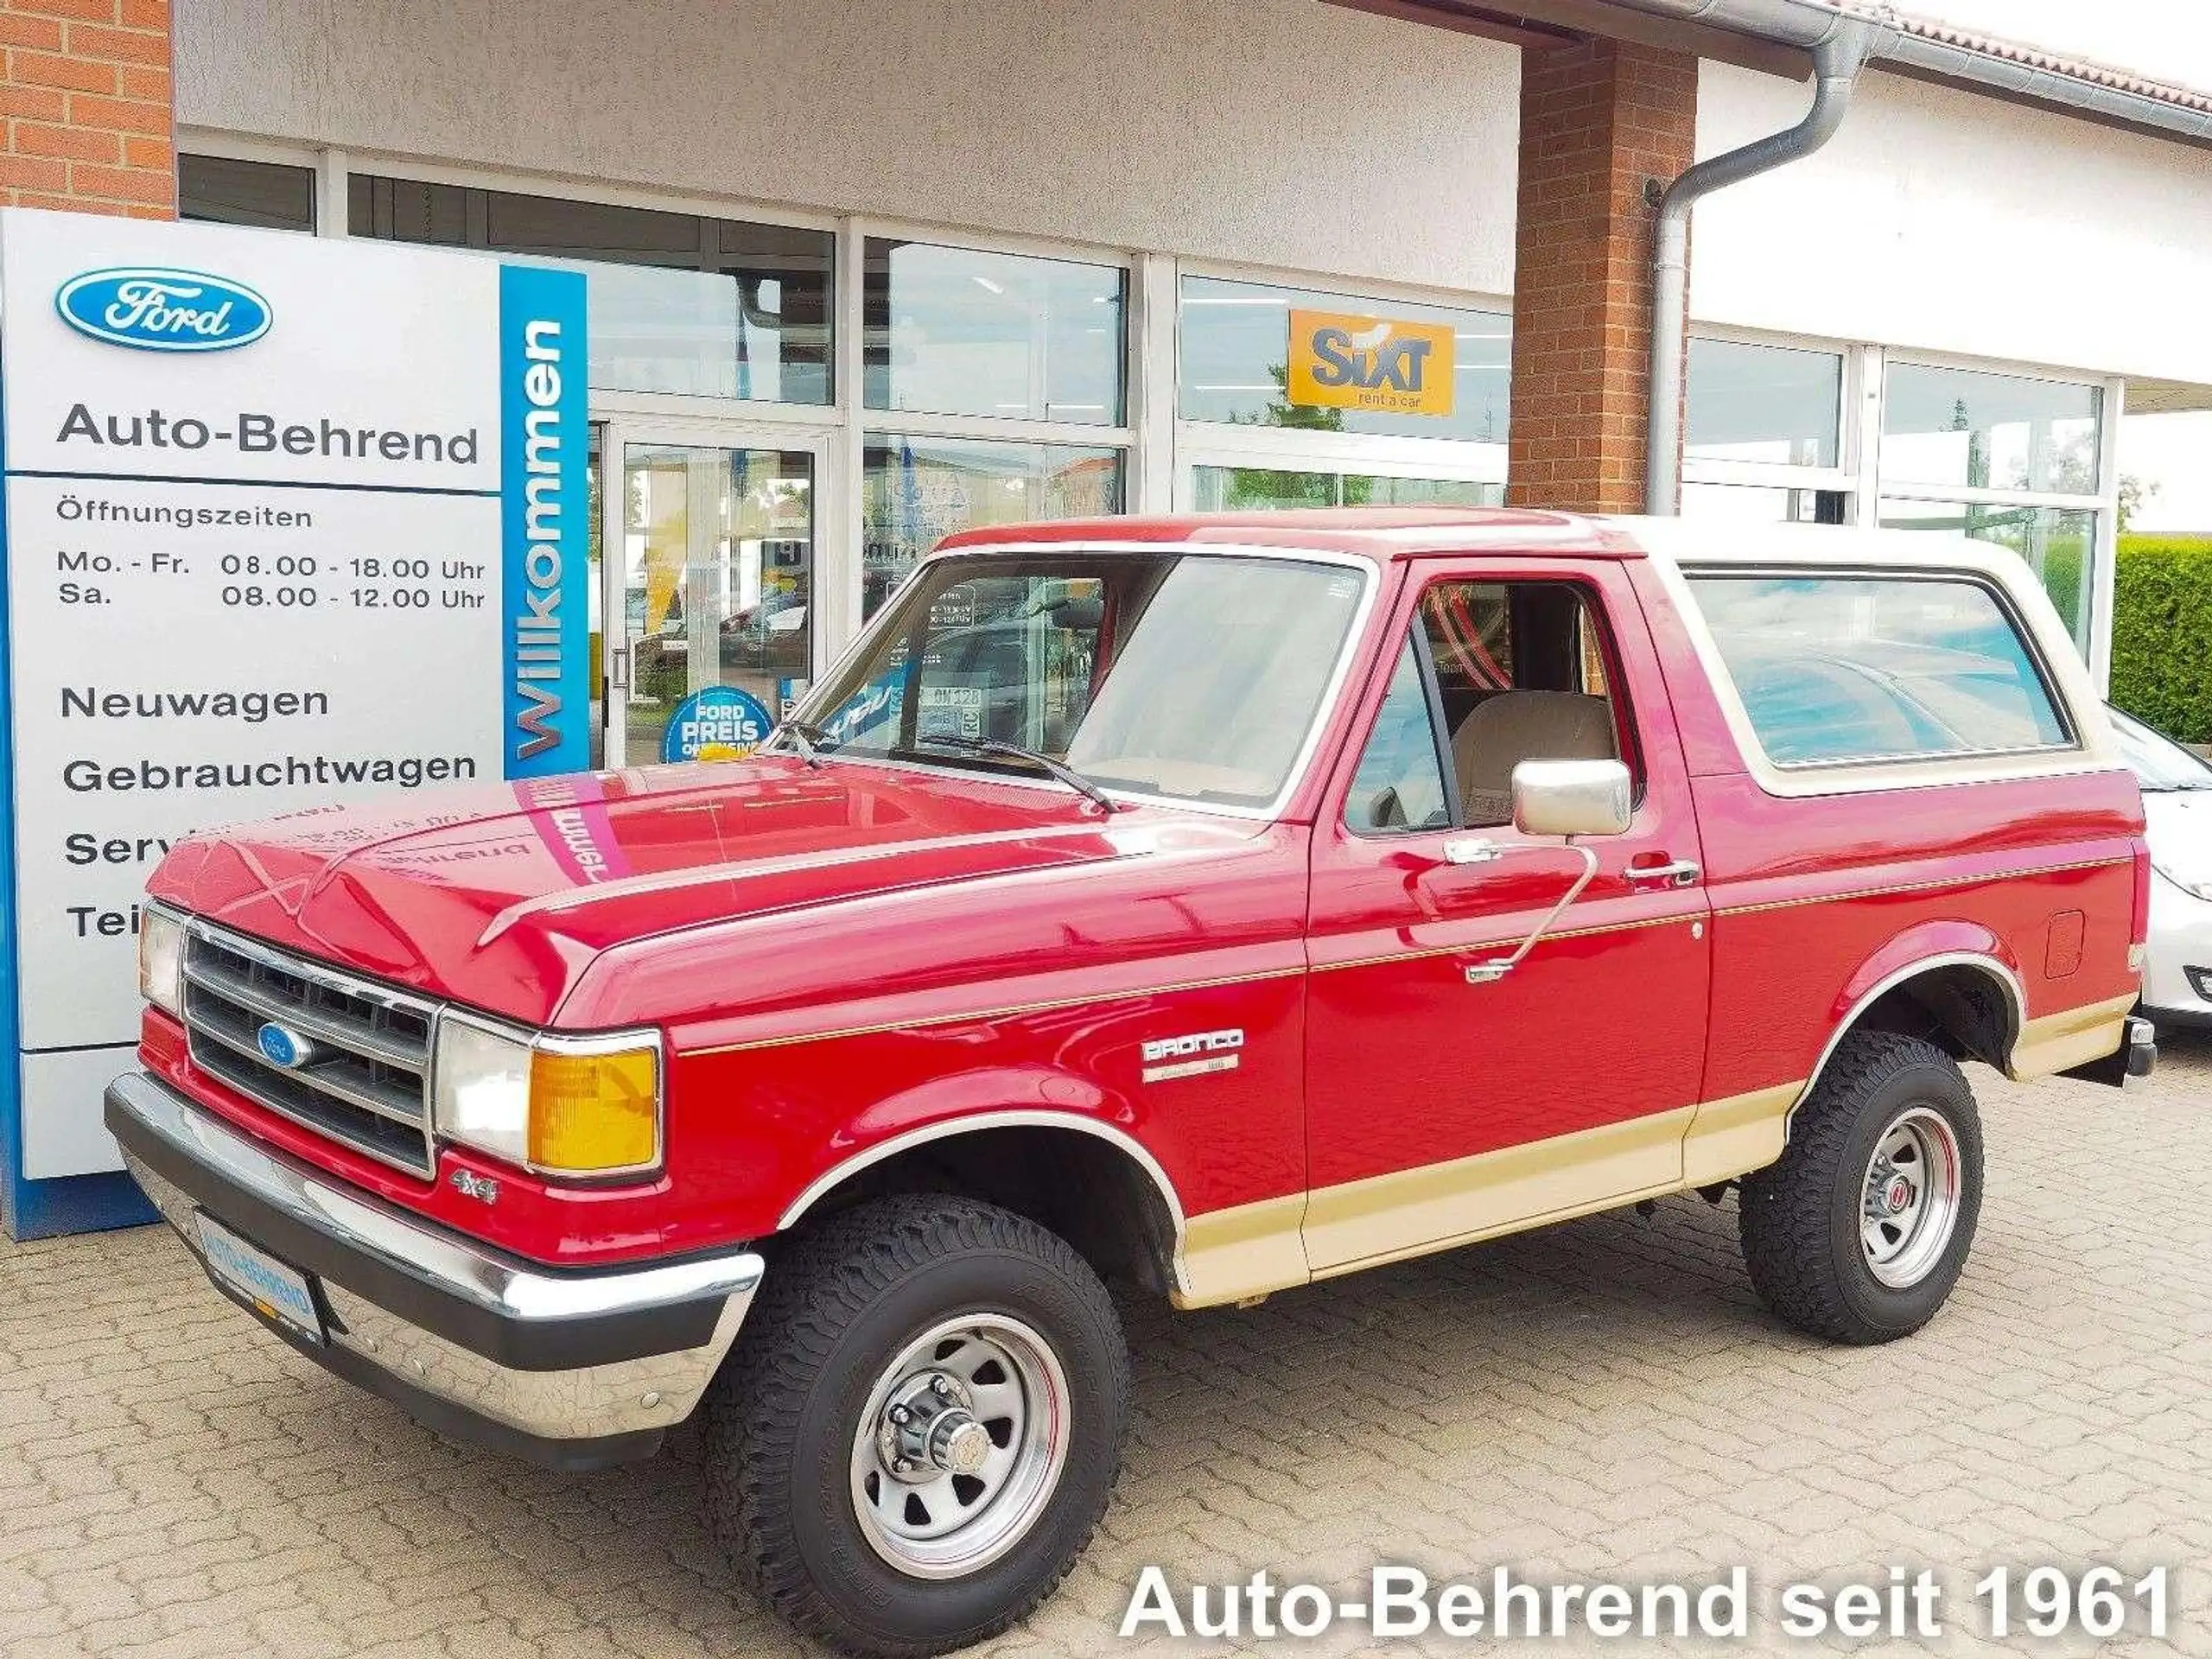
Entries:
{"x":1572,"y":798}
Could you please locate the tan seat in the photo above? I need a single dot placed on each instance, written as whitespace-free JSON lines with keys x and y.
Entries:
{"x":1503,"y":731}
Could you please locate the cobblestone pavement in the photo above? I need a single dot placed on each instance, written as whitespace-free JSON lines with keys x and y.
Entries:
{"x":1602,"y":1400}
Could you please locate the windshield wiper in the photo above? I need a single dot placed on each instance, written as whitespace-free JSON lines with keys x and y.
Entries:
{"x":810,"y":739}
{"x":1067,"y":775}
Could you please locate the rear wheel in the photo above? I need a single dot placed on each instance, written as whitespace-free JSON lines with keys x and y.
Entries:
{"x":921,"y":1425}
{"x":1860,"y":1229}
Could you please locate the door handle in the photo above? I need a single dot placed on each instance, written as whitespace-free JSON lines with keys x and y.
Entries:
{"x":1676,"y":873}
{"x":618,"y":668}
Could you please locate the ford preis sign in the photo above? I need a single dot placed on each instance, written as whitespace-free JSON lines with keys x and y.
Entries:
{"x":158,"y":310}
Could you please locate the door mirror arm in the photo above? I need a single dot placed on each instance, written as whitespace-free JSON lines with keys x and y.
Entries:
{"x":1480,"y":850}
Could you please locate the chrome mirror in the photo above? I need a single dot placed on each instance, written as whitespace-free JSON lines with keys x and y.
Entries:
{"x":1571,"y":797}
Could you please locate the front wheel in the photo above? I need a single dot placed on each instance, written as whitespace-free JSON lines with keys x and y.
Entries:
{"x":1860,"y":1229}
{"x":921,"y":1425}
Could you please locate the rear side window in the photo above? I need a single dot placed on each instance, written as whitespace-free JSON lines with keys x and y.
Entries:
{"x":1839,"y":668}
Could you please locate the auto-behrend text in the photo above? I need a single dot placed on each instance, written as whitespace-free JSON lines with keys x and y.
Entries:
{"x":1404,"y":1602}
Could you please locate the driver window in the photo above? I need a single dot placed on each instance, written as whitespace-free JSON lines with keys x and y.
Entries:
{"x":1520,"y":675}
{"x":1500,"y":672}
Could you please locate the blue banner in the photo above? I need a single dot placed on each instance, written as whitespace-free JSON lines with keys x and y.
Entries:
{"x":546,"y":673}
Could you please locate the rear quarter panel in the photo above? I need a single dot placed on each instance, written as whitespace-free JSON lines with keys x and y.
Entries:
{"x":1817,"y":897}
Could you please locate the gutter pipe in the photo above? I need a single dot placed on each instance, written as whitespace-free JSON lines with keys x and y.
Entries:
{"x":1838,"y":56}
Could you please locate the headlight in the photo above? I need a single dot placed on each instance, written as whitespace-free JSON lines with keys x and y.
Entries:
{"x":558,"y":1105}
{"x":161,"y":960}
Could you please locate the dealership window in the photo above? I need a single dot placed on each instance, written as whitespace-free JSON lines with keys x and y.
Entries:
{"x":1770,"y":405}
{"x":1255,"y":355}
{"x":222,"y":190}
{"x":916,"y":491}
{"x":681,"y":303}
{"x":2009,"y":459}
{"x":965,"y":331}
{"x":1290,"y":397}
{"x":1763,"y":437}
{"x":1988,"y":431}
{"x":995,"y":391}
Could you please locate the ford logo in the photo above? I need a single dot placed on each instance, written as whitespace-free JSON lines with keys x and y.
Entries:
{"x":160,"y":310}
{"x":282,"y":1047}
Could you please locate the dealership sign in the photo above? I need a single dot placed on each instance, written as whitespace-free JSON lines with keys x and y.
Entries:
{"x":1340,"y":361}
{"x":287,"y":521}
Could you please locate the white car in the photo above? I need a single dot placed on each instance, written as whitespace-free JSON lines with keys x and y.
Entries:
{"x":2177,"y":803}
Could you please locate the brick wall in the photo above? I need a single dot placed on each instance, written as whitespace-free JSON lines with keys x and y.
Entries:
{"x":86,"y":117}
{"x":1597,"y":120}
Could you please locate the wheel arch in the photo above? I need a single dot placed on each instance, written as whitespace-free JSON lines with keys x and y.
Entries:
{"x":1967,"y":997}
{"x":1090,"y":1181}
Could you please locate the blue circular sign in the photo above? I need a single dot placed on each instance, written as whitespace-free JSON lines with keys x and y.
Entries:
{"x":721,"y":717}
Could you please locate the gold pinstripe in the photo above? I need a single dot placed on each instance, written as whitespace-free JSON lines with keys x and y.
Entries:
{"x":1920,"y":886}
{"x":1467,"y":948}
{"x":1010,"y":1012}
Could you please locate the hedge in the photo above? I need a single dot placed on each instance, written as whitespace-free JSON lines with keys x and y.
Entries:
{"x":2162,"y":634}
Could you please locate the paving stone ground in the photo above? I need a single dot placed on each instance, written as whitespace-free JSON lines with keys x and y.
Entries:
{"x":1601,"y":1400}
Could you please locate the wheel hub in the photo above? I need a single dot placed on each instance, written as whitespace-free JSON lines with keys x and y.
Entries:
{"x":929,"y":1428}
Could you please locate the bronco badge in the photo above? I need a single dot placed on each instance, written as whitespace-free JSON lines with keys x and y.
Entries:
{"x":1215,"y":1051}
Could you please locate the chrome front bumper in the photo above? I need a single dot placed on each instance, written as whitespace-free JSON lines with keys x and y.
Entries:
{"x":572,"y":1369}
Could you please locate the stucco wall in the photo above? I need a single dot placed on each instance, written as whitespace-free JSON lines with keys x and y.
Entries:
{"x":1948,"y":222}
{"x":1281,"y":132}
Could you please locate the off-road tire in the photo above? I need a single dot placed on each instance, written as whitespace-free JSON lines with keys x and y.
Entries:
{"x":837,"y":1306}
{"x":1800,"y":1218}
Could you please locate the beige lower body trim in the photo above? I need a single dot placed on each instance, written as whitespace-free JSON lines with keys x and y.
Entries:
{"x":1408,"y":1212}
{"x":2055,"y":1042}
{"x":1253,"y":1248}
{"x":1731,"y":1137}
{"x":1248,"y":1251}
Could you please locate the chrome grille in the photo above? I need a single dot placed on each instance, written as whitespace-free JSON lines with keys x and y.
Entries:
{"x":365,"y":1080}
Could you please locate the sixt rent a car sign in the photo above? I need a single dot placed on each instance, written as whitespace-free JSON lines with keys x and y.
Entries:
{"x":159,"y":310}
{"x":1339,"y":361}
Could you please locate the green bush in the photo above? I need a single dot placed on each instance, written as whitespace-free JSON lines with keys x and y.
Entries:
{"x":2162,"y":634}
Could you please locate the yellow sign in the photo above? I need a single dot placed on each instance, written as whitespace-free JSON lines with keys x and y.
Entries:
{"x":1339,"y":361}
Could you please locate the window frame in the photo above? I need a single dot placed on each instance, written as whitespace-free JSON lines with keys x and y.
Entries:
{"x":2053,"y":686}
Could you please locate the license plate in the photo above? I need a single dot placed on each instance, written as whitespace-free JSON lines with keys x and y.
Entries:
{"x":280,"y":1293}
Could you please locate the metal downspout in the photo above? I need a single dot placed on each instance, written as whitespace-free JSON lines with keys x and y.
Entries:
{"x":1837,"y":59}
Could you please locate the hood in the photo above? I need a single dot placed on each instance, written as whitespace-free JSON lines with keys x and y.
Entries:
{"x":500,"y":896}
{"x":2179,"y":825}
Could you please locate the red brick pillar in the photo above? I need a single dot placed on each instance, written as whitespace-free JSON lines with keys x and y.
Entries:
{"x":86,"y":117}
{"x":1598,"y":121}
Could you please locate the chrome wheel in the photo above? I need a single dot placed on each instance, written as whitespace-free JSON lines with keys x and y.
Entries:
{"x":1910,"y":1205}
{"x":960,"y":1446}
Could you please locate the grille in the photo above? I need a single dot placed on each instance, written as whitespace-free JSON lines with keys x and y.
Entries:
{"x":365,"y":1079}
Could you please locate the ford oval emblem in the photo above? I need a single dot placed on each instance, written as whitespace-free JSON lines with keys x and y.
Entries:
{"x":155,"y":309}
{"x":282,"y":1047}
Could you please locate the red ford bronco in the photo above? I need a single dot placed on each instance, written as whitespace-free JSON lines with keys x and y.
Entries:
{"x":1216,"y":903}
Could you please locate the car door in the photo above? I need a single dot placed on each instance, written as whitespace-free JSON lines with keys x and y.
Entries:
{"x":1442,"y":1105}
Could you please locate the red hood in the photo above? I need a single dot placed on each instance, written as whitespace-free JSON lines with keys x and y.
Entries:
{"x":498,"y":896}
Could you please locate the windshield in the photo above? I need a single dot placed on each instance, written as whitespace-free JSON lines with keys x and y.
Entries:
{"x":1192,"y":675}
{"x":2159,"y":764}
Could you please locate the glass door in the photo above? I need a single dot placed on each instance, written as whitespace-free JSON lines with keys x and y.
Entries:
{"x":710,"y":591}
